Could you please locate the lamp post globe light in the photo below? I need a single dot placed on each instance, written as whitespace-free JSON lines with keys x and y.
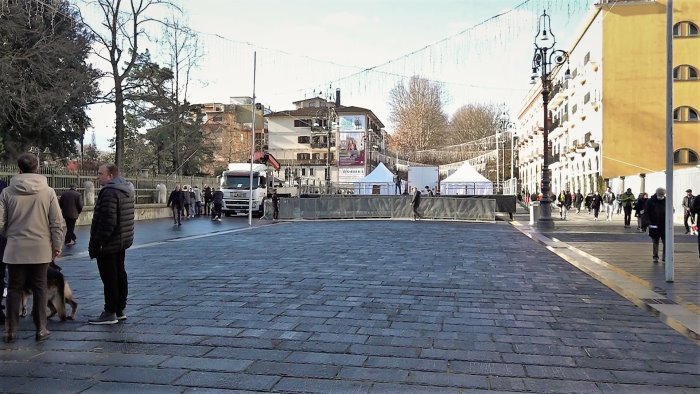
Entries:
{"x":507,"y":126}
{"x":546,"y":59}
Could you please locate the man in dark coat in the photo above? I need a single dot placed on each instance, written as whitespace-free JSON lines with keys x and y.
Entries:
{"x":275,"y":205}
{"x":654,"y":218}
{"x":207,"y":200}
{"x":596,"y":202}
{"x":218,"y":200}
{"x":415,"y":203}
{"x":578,"y":200}
{"x":111,"y":234}
{"x":176,"y":201}
{"x":71,"y":203}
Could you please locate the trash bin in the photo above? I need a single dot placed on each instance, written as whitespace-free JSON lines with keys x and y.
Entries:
{"x":534,"y":212}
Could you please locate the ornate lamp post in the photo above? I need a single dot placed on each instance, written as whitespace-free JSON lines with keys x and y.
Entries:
{"x":506,"y":126}
{"x":546,"y":60}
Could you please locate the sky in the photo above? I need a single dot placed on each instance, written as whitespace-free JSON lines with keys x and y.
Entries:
{"x":305,"y":48}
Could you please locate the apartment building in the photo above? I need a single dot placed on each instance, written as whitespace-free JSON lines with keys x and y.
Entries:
{"x":322,"y":140}
{"x":607,"y":122}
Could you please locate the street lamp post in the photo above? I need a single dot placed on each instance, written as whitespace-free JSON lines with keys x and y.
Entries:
{"x":507,"y":126}
{"x":545,"y":60}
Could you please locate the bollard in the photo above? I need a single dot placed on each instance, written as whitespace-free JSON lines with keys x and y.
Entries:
{"x":161,"y":193}
{"x":534,"y":212}
{"x":89,"y":190}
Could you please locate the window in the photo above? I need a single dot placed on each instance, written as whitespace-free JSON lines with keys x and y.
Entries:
{"x":574,"y":108}
{"x":311,"y":172}
{"x":302,"y":122}
{"x":303,"y":156}
{"x":685,"y":72}
{"x":685,"y":156}
{"x":587,"y":98}
{"x":574,"y":73}
{"x":685,"y":114}
{"x":304,"y":139}
{"x":685,"y":29}
{"x":587,"y":58}
{"x":303,"y":172}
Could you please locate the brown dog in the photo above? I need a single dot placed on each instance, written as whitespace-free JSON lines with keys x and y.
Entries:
{"x":58,"y":294}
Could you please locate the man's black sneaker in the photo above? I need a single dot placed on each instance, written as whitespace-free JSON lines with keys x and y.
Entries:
{"x":121,"y":316}
{"x":105,"y":318}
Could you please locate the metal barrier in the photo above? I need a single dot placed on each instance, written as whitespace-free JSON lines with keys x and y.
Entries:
{"x":388,"y":207}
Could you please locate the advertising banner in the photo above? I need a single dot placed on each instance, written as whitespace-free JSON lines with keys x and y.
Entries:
{"x":353,"y":123}
{"x":351,"y":150}
{"x":351,"y":174}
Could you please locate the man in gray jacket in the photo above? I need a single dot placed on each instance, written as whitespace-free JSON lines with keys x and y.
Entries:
{"x":31,"y":220}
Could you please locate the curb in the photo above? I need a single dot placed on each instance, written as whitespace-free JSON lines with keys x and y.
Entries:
{"x":634,"y":289}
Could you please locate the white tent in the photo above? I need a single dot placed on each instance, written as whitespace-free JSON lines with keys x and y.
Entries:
{"x":379,"y":181}
{"x":466,"y":180}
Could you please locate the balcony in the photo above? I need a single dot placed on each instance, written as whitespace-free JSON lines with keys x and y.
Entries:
{"x":321,"y":145}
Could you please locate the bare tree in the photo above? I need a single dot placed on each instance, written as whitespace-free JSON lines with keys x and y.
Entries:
{"x":473,"y":122}
{"x":119,"y":34}
{"x":416,"y":111}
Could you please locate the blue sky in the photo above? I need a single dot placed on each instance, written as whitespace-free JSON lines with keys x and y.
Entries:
{"x":310,"y":45}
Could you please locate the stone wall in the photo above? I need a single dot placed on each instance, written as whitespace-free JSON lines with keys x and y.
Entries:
{"x":143,"y":212}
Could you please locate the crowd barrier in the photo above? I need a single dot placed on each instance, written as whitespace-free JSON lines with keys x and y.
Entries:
{"x":383,"y":207}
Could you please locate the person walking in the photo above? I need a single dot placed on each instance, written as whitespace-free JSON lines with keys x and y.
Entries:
{"x":218,"y":201}
{"x":415,"y":203}
{"x":588,"y":201}
{"x":654,"y":218}
{"x":687,"y":203}
{"x":30,"y":219}
{"x":176,"y":201}
{"x":207,"y":200}
{"x":627,"y":200}
{"x":639,"y":206}
{"x":596,"y":202}
{"x":111,"y":234}
{"x":275,"y":205}
{"x":197,"y":201}
{"x":192,"y":202}
{"x":695,"y":210}
{"x":561,"y":203}
{"x":71,"y":203}
{"x":608,"y":204}
{"x":428,"y":192}
{"x":187,"y":201}
{"x":578,"y":200}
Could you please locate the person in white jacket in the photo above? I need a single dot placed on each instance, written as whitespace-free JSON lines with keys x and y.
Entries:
{"x":31,"y":220}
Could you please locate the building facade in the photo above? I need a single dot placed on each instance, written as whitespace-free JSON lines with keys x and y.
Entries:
{"x":228,"y":128}
{"x":322,"y":141}
{"x":608,"y":121}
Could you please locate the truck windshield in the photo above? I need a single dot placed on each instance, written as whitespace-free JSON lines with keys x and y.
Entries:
{"x":239,"y":182}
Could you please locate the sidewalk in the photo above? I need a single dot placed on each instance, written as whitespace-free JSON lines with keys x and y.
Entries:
{"x":628,"y":252}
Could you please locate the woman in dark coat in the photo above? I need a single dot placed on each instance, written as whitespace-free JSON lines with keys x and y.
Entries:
{"x":654,"y":218}
{"x":639,"y":206}
{"x":596,"y":202}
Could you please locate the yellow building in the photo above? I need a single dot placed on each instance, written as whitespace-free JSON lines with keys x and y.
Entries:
{"x":634,"y":85}
{"x":608,"y":123}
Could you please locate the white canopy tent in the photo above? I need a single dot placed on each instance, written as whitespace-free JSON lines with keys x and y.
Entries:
{"x":379,"y":181}
{"x":466,"y":180}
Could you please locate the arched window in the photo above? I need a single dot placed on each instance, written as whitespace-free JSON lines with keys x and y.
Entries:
{"x":685,"y":72}
{"x":685,"y":29}
{"x":685,"y":114}
{"x":685,"y":156}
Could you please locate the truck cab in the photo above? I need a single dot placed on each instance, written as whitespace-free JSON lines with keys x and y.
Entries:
{"x":235,"y":184}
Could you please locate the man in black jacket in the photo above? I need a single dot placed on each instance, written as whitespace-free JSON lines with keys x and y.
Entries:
{"x":71,"y":203}
{"x":695,"y":210}
{"x":111,"y":234}
{"x":654,"y":218}
{"x":176,"y":200}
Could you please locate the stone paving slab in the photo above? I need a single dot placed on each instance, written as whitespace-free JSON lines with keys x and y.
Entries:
{"x":354,"y":306}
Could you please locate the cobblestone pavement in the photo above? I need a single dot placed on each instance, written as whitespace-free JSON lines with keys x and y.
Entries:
{"x":354,"y":306}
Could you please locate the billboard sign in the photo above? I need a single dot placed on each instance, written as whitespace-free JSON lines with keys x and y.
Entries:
{"x":351,"y":174}
{"x":351,"y":149}
{"x":353,"y":123}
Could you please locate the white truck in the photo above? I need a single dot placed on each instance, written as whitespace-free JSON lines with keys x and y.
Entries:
{"x":235,"y":184}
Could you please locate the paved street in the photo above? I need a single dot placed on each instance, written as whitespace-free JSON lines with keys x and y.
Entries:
{"x":353,"y":306}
